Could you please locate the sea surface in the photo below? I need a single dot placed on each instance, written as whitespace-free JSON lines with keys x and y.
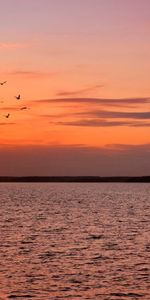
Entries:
{"x":75,"y":241}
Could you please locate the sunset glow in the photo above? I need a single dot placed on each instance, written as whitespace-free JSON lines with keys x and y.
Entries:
{"x":82,"y":70}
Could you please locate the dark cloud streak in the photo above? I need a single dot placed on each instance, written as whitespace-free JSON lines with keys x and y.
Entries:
{"x":6,"y":124}
{"x":81,"y":91}
{"x":32,"y":74}
{"x":116,"y":102}
{"x":101,"y":123}
{"x":116,"y":114}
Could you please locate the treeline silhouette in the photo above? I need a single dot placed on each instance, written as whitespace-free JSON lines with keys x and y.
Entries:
{"x":74,"y":179}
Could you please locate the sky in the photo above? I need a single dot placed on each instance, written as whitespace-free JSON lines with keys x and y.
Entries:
{"x":82,"y":70}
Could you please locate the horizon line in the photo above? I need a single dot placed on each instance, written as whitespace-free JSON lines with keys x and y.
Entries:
{"x":87,"y":178}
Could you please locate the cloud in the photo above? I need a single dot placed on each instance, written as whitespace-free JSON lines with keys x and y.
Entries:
{"x":115,"y":102}
{"x":33,"y":74}
{"x":75,"y":160}
{"x":116,"y":114}
{"x":5,"y":124}
{"x":127,"y":148}
{"x":84,"y":116}
{"x":101,"y":123}
{"x":140,"y":124}
{"x":81,"y":91}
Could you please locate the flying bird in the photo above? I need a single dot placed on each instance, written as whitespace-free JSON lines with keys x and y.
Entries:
{"x":23,"y":108}
{"x":18,"y":97}
{"x":7,"y":116}
{"x":2,"y":83}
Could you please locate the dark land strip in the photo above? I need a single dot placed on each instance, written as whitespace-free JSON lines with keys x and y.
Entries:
{"x":74,"y":179}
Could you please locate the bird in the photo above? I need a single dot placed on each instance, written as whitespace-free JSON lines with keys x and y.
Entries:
{"x":7,"y":116}
{"x":2,"y":83}
{"x":18,"y":97}
{"x":23,"y":108}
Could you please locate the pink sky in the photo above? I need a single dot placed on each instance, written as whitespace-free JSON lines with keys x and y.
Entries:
{"x":82,"y":69}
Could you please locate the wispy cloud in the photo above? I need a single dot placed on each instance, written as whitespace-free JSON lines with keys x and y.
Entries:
{"x":129,"y":147}
{"x":32,"y":74}
{"x":7,"y":123}
{"x":82,"y":115}
{"x":81,"y":91}
{"x":115,"y":102}
{"x":116,"y":114}
{"x":101,"y":123}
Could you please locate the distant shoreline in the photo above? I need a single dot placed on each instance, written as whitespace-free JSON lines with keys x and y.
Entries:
{"x":83,"y":179}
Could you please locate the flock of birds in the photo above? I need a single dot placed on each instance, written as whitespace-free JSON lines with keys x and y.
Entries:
{"x":17,"y":98}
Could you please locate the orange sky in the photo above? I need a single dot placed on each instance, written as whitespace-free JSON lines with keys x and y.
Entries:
{"x":82,"y":70}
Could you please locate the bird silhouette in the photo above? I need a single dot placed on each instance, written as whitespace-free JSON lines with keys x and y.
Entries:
{"x":18,"y":97}
{"x":7,"y":116}
{"x":2,"y":83}
{"x":23,"y":108}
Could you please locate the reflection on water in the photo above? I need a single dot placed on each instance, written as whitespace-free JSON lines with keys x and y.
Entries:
{"x":75,"y":241}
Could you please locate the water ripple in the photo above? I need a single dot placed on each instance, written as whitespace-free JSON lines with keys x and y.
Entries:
{"x":75,"y":241}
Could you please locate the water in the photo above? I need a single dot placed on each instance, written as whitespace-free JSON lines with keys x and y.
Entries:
{"x":75,"y":241}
